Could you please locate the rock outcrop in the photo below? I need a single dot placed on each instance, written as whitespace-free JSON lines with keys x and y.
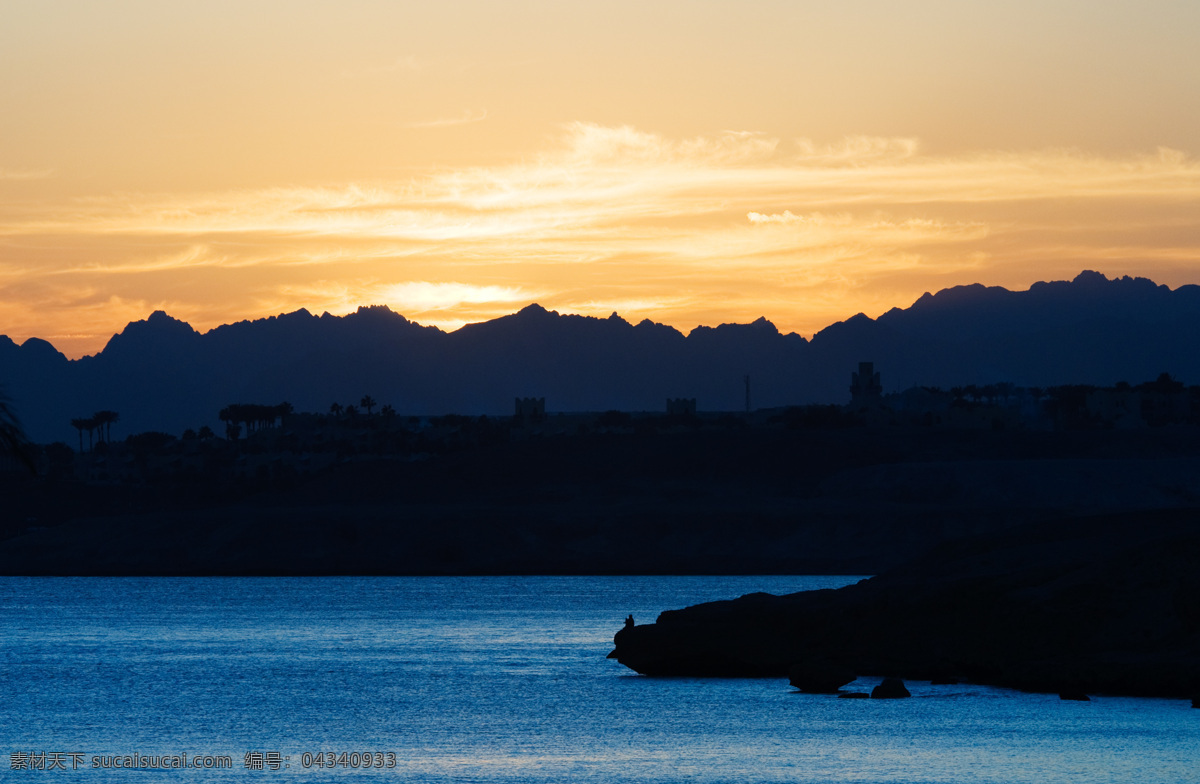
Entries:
{"x":1096,"y":605}
{"x":890,"y":689}
{"x":817,"y":677}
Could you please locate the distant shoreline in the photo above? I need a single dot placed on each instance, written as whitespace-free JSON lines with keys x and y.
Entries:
{"x":768,"y":500}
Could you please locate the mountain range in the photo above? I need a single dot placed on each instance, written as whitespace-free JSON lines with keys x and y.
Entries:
{"x":161,"y":374}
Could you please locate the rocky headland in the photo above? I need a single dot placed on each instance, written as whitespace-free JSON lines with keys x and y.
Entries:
{"x":1093,"y":605}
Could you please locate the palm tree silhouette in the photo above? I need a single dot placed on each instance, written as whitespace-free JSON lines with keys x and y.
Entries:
{"x":104,"y":421}
{"x":368,"y":403}
{"x":13,"y":440}
{"x":229,"y":415}
{"x":80,"y":424}
{"x":91,"y":424}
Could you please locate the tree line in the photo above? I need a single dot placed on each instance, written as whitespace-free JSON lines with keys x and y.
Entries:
{"x":101,"y":421}
{"x":252,"y":416}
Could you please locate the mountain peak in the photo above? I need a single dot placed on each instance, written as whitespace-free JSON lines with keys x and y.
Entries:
{"x":37,"y":347}
{"x":535,"y":310}
{"x":380,"y":312}
{"x":157,"y":333}
{"x":959,"y":296}
{"x":159,"y":322}
{"x":764,"y":324}
{"x":300,"y":315}
{"x":1090,"y":278}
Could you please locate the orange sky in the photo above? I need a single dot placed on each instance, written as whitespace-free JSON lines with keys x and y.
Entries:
{"x":690,"y":162}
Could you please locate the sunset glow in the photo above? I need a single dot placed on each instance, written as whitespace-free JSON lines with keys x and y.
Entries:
{"x":459,"y":164}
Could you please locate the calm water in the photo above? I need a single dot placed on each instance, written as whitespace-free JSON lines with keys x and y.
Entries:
{"x":498,"y":679}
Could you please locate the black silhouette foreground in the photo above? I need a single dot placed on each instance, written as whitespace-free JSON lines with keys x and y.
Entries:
{"x":13,"y":442}
{"x":1100,"y":605}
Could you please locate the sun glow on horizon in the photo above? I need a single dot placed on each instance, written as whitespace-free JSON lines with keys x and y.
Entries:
{"x":592,"y":160}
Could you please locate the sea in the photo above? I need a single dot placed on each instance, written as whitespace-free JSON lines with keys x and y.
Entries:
{"x":491,"y":679}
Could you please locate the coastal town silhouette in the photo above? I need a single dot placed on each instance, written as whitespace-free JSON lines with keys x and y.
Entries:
{"x":951,"y":494}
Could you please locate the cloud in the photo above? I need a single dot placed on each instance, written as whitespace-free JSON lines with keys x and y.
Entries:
{"x":589,"y":143}
{"x":630,"y":308}
{"x":408,"y":63}
{"x":468,"y":117}
{"x":38,"y":174}
{"x":705,"y":229}
{"x":192,"y":256}
{"x":421,"y":296}
{"x":785,"y":217}
{"x":857,"y":150}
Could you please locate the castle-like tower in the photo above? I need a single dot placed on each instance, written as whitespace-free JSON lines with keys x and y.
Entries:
{"x":864,"y":385}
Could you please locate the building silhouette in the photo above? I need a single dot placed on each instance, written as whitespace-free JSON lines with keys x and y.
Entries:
{"x":529,"y":409}
{"x":865,"y":387}
{"x":681,"y":406}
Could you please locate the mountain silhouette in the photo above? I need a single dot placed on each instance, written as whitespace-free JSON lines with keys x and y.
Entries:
{"x":161,"y":374}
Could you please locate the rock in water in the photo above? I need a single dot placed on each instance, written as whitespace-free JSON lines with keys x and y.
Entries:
{"x":890,"y":689}
{"x":1099,"y":605}
{"x":818,"y":677}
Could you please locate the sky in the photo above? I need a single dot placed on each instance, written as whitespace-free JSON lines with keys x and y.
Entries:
{"x":696,"y":162}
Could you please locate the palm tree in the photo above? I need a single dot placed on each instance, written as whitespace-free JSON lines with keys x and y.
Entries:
{"x":336,"y":409}
{"x":230,"y":416}
{"x":91,"y":424}
{"x":368,"y":403}
{"x":80,"y":424}
{"x":13,"y":440}
{"x":104,"y":421}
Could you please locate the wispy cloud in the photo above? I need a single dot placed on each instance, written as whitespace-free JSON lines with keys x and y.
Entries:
{"x":29,"y":174}
{"x":857,"y":150}
{"x":468,"y":117}
{"x":193,"y":256}
{"x":425,"y":296}
{"x":408,"y":63}
{"x":780,"y":217}
{"x":717,"y":228}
